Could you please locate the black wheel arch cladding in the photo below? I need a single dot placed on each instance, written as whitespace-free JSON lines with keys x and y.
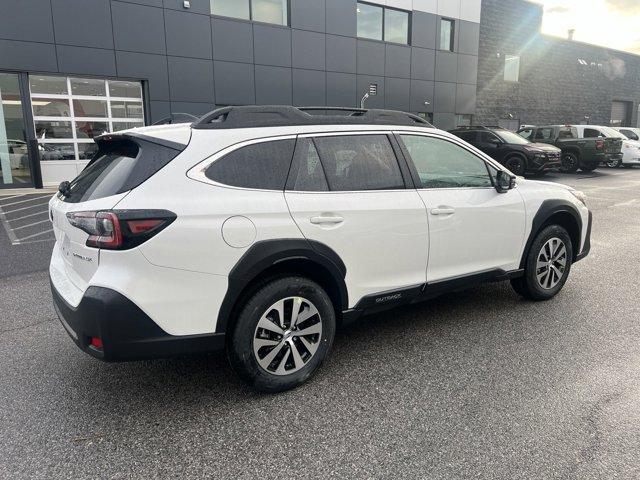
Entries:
{"x":555,"y":208}
{"x":269,"y":254}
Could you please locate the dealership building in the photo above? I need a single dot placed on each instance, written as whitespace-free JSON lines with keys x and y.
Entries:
{"x":74,"y":69}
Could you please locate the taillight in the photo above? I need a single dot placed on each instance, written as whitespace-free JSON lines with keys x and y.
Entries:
{"x":120,"y":229}
{"x":599,"y":144}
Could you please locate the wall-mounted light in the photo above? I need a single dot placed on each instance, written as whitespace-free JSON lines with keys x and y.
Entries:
{"x":186,"y":4}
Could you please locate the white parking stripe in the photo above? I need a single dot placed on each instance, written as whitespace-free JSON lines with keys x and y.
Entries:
{"x":12,"y":236}
{"x":26,"y":208}
{"x":23,"y":201}
{"x":27,"y":216}
{"x":9,"y":197}
{"x":35,"y":235}
{"x":29,"y":225}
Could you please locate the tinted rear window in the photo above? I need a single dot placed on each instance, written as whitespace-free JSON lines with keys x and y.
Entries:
{"x":262,"y":165}
{"x":118,"y":166}
{"x":359,"y":162}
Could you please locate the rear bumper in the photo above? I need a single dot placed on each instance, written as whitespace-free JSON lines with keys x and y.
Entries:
{"x":126,"y":332}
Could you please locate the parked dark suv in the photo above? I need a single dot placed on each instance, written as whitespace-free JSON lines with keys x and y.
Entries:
{"x":511,"y":150}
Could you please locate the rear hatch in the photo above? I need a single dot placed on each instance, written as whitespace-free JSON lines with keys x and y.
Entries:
{"x":122,"y":162}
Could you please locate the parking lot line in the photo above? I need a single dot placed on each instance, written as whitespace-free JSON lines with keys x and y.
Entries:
{"x":3,"y":205}
{"x":27,"y":208}
{"x":36,"y":235}
{"x":27,"y":216}
{"x":30,"y":224}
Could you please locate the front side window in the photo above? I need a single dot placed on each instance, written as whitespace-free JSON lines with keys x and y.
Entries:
{"x":544,"y":134}
{"x":442,"y":164}
{"x":381,"y":23}
{"x":508,"y":136}
{"x":359,"y":162}
{"x":526,"y":134}
{"x":630,"y":134}
{"x":446,"y":34}
{"x":469,"y":137}
{"x":262,"y":166}
{"x":511,"y":68}
{"x":268,"y":11}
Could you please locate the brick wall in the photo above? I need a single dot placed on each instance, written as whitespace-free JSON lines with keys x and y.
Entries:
{"x":555,"y":86}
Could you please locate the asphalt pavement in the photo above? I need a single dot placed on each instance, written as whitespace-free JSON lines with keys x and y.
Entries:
{"x":478,"y":384}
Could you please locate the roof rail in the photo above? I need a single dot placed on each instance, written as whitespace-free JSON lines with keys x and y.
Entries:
{"x":281,"y":115}
{"x":479,"y":127}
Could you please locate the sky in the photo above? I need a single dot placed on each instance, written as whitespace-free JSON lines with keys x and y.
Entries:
{"x":610,"y":23}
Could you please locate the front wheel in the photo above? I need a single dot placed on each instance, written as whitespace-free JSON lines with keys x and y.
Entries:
{"x":547,"y":265}
{"x":570,"y":162}
{"x":516,"y":164}
{"x":283,"y":334}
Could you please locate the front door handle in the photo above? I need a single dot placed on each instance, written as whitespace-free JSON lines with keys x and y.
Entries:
{"x":443,"y":211}
{"x":326,"y":220}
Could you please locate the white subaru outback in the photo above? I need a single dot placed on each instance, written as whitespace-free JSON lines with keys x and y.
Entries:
{"x":259,"y":229}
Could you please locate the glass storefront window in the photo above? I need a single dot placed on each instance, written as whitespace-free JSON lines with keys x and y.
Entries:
{"x":88,"y":86}
{"x":126,"y":109}
{"x":125,"y":89}
{"x":53,"y":85}
{"x":14,"y":157}
{"x":69,"y":112}
{"x":51,"y":107}
{"x":90,"y":108}
{"x":46,"y":129}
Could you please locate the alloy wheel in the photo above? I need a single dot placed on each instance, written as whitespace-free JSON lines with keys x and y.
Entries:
{"x":551,"y":263}
{"x":287,"y":335}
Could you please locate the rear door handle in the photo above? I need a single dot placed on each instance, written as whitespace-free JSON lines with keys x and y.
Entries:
{"x":443,"y":211}
{"x":326,"y":220}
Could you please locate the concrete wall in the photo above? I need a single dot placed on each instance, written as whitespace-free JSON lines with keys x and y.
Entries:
{"x":554,"y":87}
{"x":193,"y":61}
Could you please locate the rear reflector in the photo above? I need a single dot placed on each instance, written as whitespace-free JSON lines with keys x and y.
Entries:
{"x":96,"y":342}
{"x":141,"y":226}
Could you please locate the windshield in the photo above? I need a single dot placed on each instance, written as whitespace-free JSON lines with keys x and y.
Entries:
{"x":510,"y":137}
{"x":611,"y":133}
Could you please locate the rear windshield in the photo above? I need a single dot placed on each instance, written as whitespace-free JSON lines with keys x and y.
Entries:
{"x":118,"y":166}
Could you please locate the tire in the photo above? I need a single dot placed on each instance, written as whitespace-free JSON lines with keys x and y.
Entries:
{"x":544,"y":283}
{"x":614,"y":163}
{"x":589,"y":168}
{"x":516,"y":164}
{"x":570,"y":162}
{"x":275,"y":359}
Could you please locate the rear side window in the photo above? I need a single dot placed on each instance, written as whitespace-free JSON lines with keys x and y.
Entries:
{"x":544,"y":134}
{"x":307,"y":174}
{"x":566,"y":132}
{"x":359,"y":162}
{"x":262,"y":166}
{"x":119,"y":165}
{"x":467,"y":136}
{"x":592,"y":133}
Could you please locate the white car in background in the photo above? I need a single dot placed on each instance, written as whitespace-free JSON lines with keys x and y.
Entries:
{"x":630,"y":148}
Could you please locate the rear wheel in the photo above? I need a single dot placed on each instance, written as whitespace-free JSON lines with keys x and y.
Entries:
{"x":516,"y":164}
{"x":570,"y":162}
{"x":283,"y":334}
{"x":547,"y":265}
{"x":614,"y":163}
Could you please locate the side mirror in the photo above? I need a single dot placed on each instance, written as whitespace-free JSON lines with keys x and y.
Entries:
{"x":504,"y":181}
{"x":496,"y":142}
